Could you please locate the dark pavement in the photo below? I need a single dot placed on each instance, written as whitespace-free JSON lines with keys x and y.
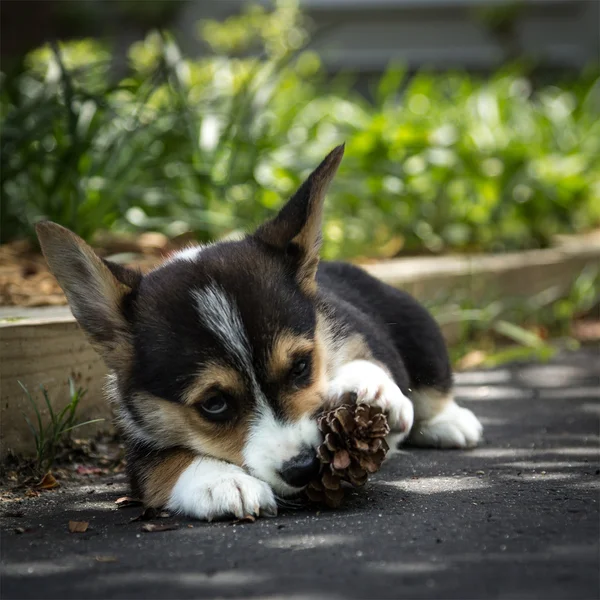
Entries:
{"x":516,"y":518}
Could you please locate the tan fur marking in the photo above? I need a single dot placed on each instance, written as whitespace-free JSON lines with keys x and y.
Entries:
{"x":161,"y":477}
{"x":429,"y":402}
{"x":355,"y":347}
{"x":308,"y":239}
{"x":287,"y":347}
{"x":173,"y":424}
{"x":340,"y":351}
{"x":298,"y":403}
{"x":119,"y":356}
{"x":306,"y":276}
{"x":214,"y":375}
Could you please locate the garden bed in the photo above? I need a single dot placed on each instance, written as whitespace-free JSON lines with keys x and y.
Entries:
{"x":44,"y":346}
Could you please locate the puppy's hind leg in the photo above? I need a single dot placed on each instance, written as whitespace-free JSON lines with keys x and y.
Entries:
{"x":441,"y":423}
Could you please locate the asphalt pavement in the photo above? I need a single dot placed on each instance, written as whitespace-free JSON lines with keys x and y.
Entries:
{"x":516,"y":518}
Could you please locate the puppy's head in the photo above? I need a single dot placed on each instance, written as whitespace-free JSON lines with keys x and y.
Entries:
{"x":220,"y":349}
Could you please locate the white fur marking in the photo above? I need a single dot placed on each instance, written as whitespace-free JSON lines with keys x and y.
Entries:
{"x":271,"y":443}
{"x":453,"y":427}
{"x":211,"y":489}
{"x":127,"y":425}
{"x":191,"y":254}
{"x":372,"y":385}
{"x":219,"y":313}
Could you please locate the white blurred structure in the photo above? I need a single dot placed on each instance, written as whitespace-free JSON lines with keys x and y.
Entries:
{"x":364,"y":35}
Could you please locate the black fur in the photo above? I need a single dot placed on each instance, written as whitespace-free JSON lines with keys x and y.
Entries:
{"x":399,"y":331}
{"x":170,"y":340}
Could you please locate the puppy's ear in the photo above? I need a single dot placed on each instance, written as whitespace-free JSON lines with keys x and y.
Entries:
{"x":96,"y":291}
{"x":296,"y":230}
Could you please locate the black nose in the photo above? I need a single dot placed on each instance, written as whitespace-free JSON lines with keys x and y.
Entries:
{"x":301,"y":469}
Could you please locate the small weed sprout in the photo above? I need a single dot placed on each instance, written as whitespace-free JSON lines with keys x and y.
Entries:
{"x":49,"y":438}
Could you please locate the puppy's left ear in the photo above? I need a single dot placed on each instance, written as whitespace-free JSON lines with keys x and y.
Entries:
{"x":96,"y":291}
{"x":296,"y":230}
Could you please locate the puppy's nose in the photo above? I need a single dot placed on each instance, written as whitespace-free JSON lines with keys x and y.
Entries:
{"x":301,"y":469}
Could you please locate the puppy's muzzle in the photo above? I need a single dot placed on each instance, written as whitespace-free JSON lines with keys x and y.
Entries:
{"x":301,"y":469}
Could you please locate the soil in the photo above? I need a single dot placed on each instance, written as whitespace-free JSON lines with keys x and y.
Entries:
{"x":26,"y":281}
{"x":78,"y":462}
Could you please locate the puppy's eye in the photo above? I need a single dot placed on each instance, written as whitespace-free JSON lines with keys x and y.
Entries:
{"x":300,"y":371}
{"x":217,"y":408}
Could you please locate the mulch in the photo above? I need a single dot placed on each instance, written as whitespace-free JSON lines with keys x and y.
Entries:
{"x":26,"y":281}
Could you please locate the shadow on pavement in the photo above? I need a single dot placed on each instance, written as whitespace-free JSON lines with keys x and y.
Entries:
{"x":515,"y":518}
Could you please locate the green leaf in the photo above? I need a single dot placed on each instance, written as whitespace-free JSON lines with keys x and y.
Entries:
{"x":82,"y":424}
{"x":518,"y":334}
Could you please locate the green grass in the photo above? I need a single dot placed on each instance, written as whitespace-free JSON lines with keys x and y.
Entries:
{"x":51,"y":437}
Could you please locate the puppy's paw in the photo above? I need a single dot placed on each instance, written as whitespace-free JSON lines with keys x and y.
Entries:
{"x":212,"y":489}
{"x":370,"y":384}
{"x":454,"y":427}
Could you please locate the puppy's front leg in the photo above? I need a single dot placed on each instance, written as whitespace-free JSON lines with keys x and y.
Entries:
{"x":371,"y":384}
{"x":200,"y":487}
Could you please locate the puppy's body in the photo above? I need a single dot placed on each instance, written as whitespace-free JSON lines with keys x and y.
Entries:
{"x":222,"y":358}
{"x":397,"y":330}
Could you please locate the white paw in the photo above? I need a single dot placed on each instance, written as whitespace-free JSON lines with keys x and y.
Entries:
{"x":454,"y":427}
{"x":211,"y":489}
{"x":372,"y":385}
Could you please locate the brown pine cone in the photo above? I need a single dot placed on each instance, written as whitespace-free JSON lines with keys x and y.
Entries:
{"x":353,"y":447}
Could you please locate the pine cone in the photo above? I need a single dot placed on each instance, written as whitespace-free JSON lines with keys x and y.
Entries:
{"x":353,"y":447}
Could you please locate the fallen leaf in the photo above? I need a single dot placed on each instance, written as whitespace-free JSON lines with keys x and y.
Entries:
{"x":586,"y":330}
{"x":78,"y":526}
{"x":126,"y":501}
{"x":106,"y":559}
{"x":156,"y":527}
{"x":48,"y":482}
{"x":471,"y":360}
{"x":83,"y":470}
{"x":246,"y":519}
{"x":32,"y":493}
{"x":151,"y":513}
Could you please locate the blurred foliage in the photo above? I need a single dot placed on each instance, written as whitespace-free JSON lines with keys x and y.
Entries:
{"x":214,"y":145}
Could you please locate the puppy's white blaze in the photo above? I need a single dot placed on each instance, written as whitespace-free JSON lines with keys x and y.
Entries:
{"x":210,"y":489}
{"x":272,"y":443}
{"x":219,"y":313}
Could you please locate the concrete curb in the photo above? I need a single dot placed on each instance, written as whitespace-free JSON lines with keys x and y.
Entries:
{"x":44,"y":346}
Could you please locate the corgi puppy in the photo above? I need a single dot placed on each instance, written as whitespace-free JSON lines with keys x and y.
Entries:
{"x":222,"y":358}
